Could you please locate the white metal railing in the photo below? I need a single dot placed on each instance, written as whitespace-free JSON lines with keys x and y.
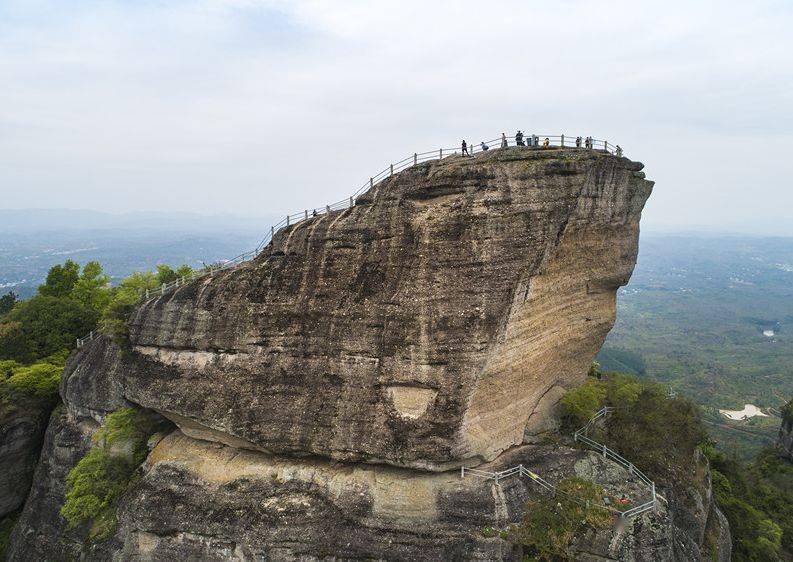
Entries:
{"x":580,"y":436}
{"x":607,"y":453}
{"x":531,"y":141}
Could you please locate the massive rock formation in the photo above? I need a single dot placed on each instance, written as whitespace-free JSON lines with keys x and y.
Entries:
{"x":327,"y":392}
{"x":419,"y":328}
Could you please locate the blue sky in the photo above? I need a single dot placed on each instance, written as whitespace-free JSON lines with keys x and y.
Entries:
{"x":254,"y":107}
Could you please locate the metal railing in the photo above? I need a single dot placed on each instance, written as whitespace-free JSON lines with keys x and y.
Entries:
{"x":530,"y":141}
{"x":580,"y":436}
{"x":607,"y":453}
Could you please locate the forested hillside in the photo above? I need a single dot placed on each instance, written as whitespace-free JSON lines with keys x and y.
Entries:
{"x":711,"y":318}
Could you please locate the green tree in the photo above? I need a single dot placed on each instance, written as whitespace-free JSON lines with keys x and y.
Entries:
{"x":165,"y":274}
{"x":757,"y":500}
{"x":94,"y":485}
{"x":125,"y":297}
{"x":93,"y":287}
{"x":184,"y":270}
{"x":40,"y":379}
{"x":61,"y":279}
{"x":7,"y":302}
{"x":581,"y":404}
{"x":643,"y":429}
{"x":43,"y":325}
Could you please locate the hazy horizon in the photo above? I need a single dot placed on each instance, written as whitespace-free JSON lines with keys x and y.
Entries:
{"x":259,"y":107}
{"x":38,"y":219}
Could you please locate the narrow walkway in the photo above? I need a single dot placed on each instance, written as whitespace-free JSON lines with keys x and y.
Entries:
{"x":579,"y":436}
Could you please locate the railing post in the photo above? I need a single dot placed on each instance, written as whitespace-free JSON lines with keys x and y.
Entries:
{"x":162,"y":289}
{"x":77,"y":344}
{"x":327,"y":208}
{"x":287,"y":220}
{"x":441,"y":153}
{"x":655,"y":503}
{"x":352,"y":203}
{"x":272,"y":232}
{"x":462,"y":472}
{"x":415,"y":158}
{"x":392,"y":169}
{"x":306,"y":213}
{"x":563,"y":141}
{"x":604,"y":451}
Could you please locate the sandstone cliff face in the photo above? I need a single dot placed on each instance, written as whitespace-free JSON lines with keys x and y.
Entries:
{"x":420,"y":328}
{"x":324,"y":390}
{"x":22,"y":424}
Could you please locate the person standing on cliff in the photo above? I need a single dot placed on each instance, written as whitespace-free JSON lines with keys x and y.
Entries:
{"x":484,"y":146}
{"x":465,"y":148}
{"x":519,"y":138}
{"x":618,"y":151}
{"x":504,"y":143}
{"x":578,"y":142}
{"x":546,"y":143}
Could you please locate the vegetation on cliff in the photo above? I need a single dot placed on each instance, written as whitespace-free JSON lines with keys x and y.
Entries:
{"x":95,"y":484}
{"x":645,"y":420}
{"x":757,"y":498}
{"x":552,"y":522}
{"x":787,"y":414}
{"x":71,"y":303}
{"x":37,"y":334}
{"x":128,"y":294}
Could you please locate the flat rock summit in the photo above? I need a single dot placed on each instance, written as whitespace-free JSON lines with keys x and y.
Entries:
{"x":326,"y":393}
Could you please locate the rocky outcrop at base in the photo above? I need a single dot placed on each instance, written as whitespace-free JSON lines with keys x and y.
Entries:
{"x":200,"y":500}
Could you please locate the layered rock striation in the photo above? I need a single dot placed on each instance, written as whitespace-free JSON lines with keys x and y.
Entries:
{"x":420,"y":328}
{"x":326,"y":392}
